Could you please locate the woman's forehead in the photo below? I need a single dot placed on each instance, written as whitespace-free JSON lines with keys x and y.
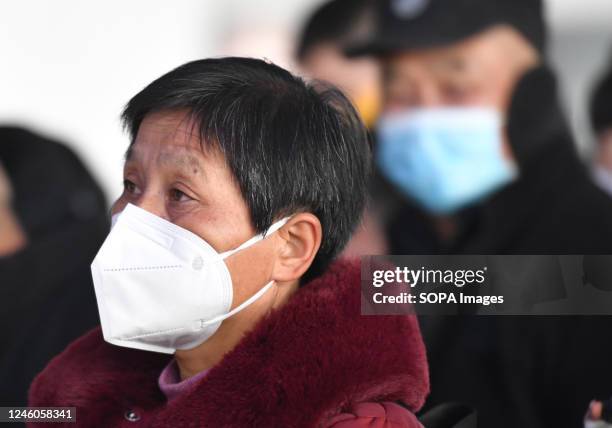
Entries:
{"x":175,"y":127}
{"x":172,"y":135}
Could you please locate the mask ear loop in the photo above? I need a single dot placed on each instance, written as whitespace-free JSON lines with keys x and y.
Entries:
{"x":262,"y":290}
{"x":238,"y":308}
{"x":255,"y":239}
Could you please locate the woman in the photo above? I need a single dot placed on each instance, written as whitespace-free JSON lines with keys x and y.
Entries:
{"x":241,"y":185}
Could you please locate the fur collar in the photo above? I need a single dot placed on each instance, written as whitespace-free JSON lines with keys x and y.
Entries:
{"x":312,"y":358}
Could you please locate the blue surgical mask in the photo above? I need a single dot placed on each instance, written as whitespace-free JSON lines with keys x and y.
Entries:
{"x":444,"y":158}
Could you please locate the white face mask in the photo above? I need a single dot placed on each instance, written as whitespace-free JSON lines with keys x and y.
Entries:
{"x":160,"y":287}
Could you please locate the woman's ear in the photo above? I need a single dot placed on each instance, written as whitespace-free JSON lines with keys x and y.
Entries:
{"x":300,"y":239}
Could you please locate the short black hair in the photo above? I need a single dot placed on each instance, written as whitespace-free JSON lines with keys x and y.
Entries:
{"x":292,"y":146}
{"x":333,"y":22}
{"x":601,"y":102}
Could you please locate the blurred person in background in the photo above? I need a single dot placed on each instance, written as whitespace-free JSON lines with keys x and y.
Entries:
{"x":473,"y":136}
{"x":320,"y":55}
{"x":13,"y":236}
{"x":52,"y":220}
{"x":601,"y":120}
{"x":242,"y":183}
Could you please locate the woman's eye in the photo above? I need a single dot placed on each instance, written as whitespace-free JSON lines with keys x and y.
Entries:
{"x":129,"y":187}
{"x":178,"y":196}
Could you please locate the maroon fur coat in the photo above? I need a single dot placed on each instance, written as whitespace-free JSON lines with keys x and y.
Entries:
{"x":301,"y":366}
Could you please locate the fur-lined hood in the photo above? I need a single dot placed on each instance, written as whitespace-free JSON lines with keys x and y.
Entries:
{"x":304,"y":363}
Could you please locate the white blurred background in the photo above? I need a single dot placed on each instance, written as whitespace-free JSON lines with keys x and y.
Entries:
{"x":67,"y":67}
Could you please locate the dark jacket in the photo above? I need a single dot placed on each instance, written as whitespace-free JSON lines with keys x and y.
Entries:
{"x":301,"y":366}
{"x":523,"y":371}
{"x":46,"y":295}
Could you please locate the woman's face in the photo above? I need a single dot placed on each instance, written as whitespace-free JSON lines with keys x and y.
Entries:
{"x":169,"y":174}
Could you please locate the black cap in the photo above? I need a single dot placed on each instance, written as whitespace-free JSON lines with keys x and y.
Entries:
{"x":401,"y":25}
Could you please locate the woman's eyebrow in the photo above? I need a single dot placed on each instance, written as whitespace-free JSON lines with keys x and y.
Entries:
{"x":188,"y":163}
